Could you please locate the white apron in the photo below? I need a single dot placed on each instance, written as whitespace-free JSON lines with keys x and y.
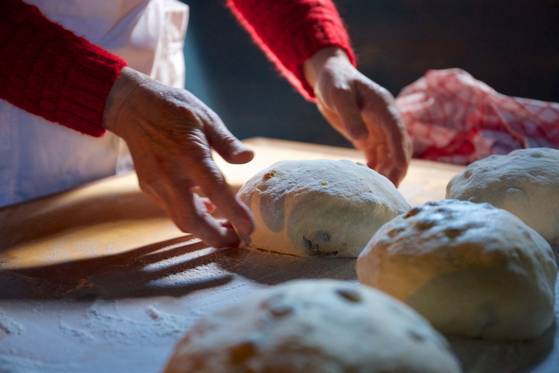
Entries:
{"x":38,"y":157}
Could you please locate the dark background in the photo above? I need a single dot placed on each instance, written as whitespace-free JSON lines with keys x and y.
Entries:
{"x":511,"y":45}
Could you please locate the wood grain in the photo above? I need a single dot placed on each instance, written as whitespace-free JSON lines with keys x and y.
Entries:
{"x":98,"y":279}
{"x":113,"y":216}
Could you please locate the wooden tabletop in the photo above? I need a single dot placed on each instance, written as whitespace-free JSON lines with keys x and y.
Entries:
{"x":99,"y":279}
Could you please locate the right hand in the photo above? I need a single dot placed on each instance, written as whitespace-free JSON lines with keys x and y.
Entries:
{"x":170,"y":133}
{"x":361,"y":110}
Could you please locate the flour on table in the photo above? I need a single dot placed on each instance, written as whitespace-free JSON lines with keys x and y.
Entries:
{"x":8,"y":326}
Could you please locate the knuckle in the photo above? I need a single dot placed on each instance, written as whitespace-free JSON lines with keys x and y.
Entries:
{"x":210,"y":115}
{"x":227,"y":139}
{"x":211,"y":176}
{"x":194,"y":138}
{"x":199,"y":153}
{"x":216,"y":190}
{"x":342,"y":90}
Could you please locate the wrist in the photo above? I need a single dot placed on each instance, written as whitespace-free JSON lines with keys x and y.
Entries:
{"x":314,"y":65}
{"x":123,"y":87}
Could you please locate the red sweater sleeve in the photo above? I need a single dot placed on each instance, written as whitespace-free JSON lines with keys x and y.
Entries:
{"x":49,"y":71}
{"x":291,"y":31}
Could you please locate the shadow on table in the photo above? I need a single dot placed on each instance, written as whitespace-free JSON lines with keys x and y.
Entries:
{"x":488,"y":357}
{"x":135,"y":273}
{"x":270,"y":269}
{"x":173,"y":267}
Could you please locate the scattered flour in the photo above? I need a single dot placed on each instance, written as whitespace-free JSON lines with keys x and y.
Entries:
{"x":8,"y":326}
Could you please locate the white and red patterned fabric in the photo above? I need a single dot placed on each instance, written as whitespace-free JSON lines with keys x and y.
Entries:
{"x":452,"y":117}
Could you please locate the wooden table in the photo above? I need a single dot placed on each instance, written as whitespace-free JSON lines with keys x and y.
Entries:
{"x":98,"y":279}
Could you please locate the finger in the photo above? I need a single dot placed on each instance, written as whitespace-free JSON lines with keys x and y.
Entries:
{"x":211,"y":181}
{"x":210,"y":207}
{"x":188,"y":211}
{"x":379,"y":109}
{"x":397,"y":131}
{"x":387,"y":167}
{"x":372,"y":160}
{"x":380,"y":113}
{"x":227,"y":145}
{"x":374,"y":146}
{"x":379,"y":157}
{"x":383,"y":159}
{"x":333,"y":118}
{"x":395,"y":171}
{"x":396,"y":176}
{"x":345,"y":104}
{"x":190,"y":215}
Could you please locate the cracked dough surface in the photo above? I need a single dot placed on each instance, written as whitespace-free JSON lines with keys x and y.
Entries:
{"x":525,"y":182}
{"x":319,"y":207}
{"x":314,"y":326}
{"x":471,"y":269}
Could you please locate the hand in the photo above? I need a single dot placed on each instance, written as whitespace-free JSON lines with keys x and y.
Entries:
{"x":361,"y":110}
{"x":169,"y":133}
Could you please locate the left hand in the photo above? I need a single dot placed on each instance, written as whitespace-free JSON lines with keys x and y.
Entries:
{"x":361,"y":110}
{"x":170,"y":134}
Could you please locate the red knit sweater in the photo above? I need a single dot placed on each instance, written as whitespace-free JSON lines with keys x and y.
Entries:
{"x":49,"y":71}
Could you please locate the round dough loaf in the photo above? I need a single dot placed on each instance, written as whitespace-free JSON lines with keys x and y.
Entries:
{"x":321,"y":326}
{"x":525,"y":182}
{"x":319,"y":207}
{"x":473,"y":270}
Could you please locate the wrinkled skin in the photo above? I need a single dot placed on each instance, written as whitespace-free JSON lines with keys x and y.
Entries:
{"x":361,"y":110}
{"x":170,"y":134}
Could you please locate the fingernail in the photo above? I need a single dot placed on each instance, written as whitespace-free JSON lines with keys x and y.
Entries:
{"x":244,"y":241}
{"x":232,"y":238}
{"x":244,"y":153}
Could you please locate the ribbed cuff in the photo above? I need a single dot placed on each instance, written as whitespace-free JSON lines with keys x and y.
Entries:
{"x":88,"y":83}
{"x":48,"y":71}
{"x":290,"y":32}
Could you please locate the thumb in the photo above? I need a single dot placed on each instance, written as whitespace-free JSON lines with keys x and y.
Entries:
{"x":345,"y":103}
{"x":227,"y":145}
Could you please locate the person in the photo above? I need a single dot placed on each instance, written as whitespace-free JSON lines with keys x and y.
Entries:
{"x":71,"y":71}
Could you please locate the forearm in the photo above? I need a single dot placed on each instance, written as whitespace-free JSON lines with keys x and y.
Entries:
{"x":291,"y":32}
{"x":49,"y":71}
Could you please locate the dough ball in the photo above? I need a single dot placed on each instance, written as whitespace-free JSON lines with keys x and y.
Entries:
{"x":314,"y":326}
{"x":471,"y":269}
{"x":524,"y":182}
{"x":319,"y":207}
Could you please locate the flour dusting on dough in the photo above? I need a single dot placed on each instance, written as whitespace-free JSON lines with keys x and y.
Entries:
{"x":319,"y":207}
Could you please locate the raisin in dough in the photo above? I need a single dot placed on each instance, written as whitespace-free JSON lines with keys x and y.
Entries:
{"x":524,"y":182}
{"x":314,"y":326}
{"x":319,"y":207}
{"x":471,"y":269}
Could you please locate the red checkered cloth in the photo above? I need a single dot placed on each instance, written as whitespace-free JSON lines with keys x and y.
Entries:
{"x":452,"y":117}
